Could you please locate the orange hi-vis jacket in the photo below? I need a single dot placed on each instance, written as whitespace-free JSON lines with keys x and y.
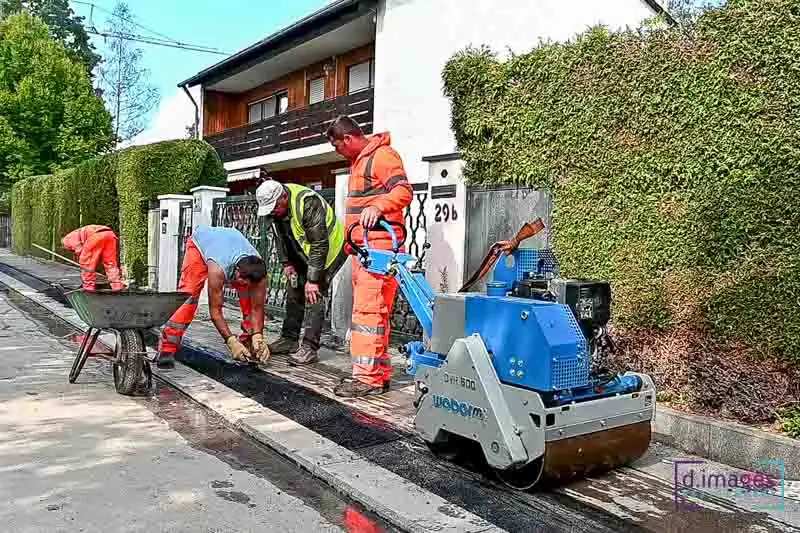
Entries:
{"x":377,"y":178}
{"x":76,"y":239}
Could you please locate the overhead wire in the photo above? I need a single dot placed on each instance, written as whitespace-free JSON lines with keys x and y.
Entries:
{"x":164,"y":39}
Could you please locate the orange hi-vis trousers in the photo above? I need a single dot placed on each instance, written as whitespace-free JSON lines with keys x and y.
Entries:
{"x":194,"y":274}
{"x":373,"y":301}
{"x":102,"y":245}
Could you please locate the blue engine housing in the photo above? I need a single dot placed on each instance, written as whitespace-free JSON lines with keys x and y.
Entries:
{"x":536,"y":345}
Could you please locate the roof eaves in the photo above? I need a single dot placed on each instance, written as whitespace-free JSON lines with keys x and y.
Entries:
{"x":304,"y":25}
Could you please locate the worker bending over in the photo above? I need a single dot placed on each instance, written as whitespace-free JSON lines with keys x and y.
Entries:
{"x":377,"y":188}
{"x":310,"y":245}
{"x":221,"y":256}
{"x":91,"y":244}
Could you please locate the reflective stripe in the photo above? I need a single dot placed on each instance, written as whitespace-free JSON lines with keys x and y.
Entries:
{"x":369,"y":330}
{"x":244,"y":294}
{"x":192,"y":301}
{"x":174,"y":339}
{"x":371,"y":361}
{"x":377,"y":191}
{"x":394,"y":181}
{"x":368,"y":174}
{"x":355,"y":210}
{"x":176,"y":325}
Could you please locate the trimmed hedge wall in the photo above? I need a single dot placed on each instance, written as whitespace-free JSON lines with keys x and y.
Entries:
{"x":113,"y":189}
{"x":142,"y":175}
{"x":674,"y":159}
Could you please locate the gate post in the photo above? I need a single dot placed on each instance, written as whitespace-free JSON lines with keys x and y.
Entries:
{"x":203,"y":209}
{"x":169,"y":220}
{"x":203,"y":214}
{"x":342,"y":284}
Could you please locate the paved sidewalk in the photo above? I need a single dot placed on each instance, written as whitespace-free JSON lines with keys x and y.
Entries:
{"x":83,"y":458}
{"x":642,"y":494}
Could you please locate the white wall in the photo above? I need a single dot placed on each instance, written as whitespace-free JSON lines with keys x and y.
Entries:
{"x":415,"y":38}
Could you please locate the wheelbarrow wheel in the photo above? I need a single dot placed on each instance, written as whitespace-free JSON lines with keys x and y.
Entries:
{"x":129,"y":361}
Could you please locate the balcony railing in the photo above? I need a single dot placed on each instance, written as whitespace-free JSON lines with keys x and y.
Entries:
{"x":293,"y":129}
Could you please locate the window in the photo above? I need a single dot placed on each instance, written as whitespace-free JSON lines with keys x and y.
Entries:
{"x":269,"y":107}
{"x":360,"y":76}
{"x":316,"y":90}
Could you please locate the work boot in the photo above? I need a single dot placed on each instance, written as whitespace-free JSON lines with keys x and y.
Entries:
{"x":165,"y":361}
{"x":283,"y":346}
{"x":353,"y":388}
{"x":304,"y":356}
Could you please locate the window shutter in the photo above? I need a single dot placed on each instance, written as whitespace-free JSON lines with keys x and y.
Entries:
{"x":316,"y":91}
{"x":359,"y":77}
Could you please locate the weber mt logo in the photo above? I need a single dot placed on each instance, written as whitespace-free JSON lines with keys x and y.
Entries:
{"x":464,"y":409}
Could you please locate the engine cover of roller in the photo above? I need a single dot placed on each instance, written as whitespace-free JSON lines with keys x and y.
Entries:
{"x":513,"y":374}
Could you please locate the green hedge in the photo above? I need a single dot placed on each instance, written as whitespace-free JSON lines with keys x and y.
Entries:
{"x":21,"y":215}
{"x":142,"y":175}
{"x":113,"y":189}
{"x":98,"y":192}
{"x":66,"y":216}
{"x":43,"y":213}
{"x":674,"y":159}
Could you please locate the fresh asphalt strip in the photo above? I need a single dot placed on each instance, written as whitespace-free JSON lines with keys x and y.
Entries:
{"x":385,"y":446}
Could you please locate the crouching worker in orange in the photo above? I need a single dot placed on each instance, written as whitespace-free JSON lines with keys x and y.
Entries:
{"x":221,"y":256}
{"x":91,"y":244}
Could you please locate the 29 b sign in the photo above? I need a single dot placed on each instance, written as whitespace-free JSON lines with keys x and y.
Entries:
{"x":445,"y":212}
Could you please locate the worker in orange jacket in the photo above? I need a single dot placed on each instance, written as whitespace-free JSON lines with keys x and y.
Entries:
{"x":91,"y":244}
{"x":377,"y":188}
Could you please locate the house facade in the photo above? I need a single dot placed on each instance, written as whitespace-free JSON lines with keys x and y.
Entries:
{"x":266,"y":108}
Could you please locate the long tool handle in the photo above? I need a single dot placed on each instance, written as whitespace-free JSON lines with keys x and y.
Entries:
{"x":68,"y":260}
{"x":528,"y":230}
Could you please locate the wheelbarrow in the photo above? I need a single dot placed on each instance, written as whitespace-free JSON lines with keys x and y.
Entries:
{"x":128,"y":314}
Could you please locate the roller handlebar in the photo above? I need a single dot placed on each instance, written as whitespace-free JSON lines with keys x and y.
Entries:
{"x":382,"y":225}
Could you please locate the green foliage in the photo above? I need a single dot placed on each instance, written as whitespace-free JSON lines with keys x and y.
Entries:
{"x":65,"y":27}
{"x":50,"y":117}
{"x":143,"y":174}
{"x":790,"y":421}
{"x":43,"y":213}
{"x":97,"y":192}
{"x":674,"y":159}
{"x":22,"y":196}
{"x":66,"y":215}
{"x":114,"y":190}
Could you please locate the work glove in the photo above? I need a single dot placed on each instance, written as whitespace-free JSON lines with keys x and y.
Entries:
{"x":261,"y":348}
{"x":239,"y":351}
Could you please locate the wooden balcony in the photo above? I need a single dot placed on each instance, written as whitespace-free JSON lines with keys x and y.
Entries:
{"x":297,"y":128}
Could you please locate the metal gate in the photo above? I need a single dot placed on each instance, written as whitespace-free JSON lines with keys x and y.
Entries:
{"x":5,"y":231}
{"x":240,"y":212}
{"x":184,"y":231}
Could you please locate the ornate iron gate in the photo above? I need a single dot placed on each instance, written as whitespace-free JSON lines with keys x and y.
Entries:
{"x":240,"y":212}
{"x":405,"y":325}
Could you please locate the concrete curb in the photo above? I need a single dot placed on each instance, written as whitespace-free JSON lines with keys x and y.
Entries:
{"x":725,"y":442}
{"x":401,"y":502}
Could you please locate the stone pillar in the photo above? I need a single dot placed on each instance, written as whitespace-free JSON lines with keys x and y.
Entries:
{"x":202,"y":210}
{"x":170,"y":205}
{"x":203,"y":214}
{"x":342,"y":288}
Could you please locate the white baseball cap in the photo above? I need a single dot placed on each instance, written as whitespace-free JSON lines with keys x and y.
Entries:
{"x":267,"y":196}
